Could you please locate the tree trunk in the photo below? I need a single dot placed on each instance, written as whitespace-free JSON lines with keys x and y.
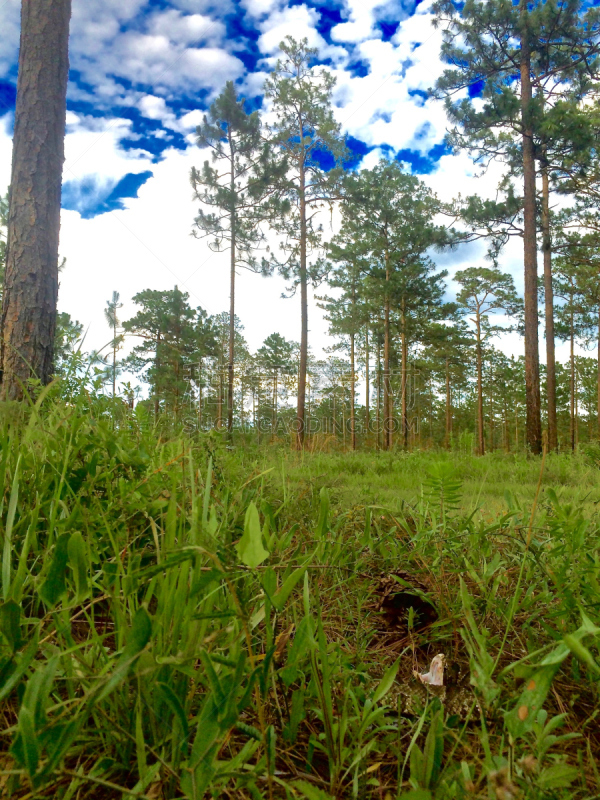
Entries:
{"x":200,"y":394}
{"x":274,"y":414}
{"x":114,"y":369}
{"x":480,"y":436}
{"x":368,"y":387}
{"x":156,"y":379}
{"x":230,"y":361}
{"x":448,"y":406}
{"x":352,"y":392}
{"x":491,"y":442}
{"x":599,"y":372}
{"x":378,"y":408}
{"x":572,"y":382}
{"x":387,"y":391}
{"x":576,"y":405}
{"x":300,"y":417}
{"x":532,"y":364}
{"x":404,"y":377}
{"x":549,"y":309}
{"x":430,"y":412}
{"x":220,"y":399}
{"x":31,"y":279}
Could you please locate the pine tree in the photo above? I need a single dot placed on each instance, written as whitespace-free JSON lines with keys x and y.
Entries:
{"x":276,"y":356}
{"x":31,"y":278}
{"x":390,"y":214}
{"x":488,"y":45}
{"x":483,"y":290}
{"x":233,"y":187}
{"x":67,"y":340}
{"x":306,"y":137}
{"x":110,"y":314}
{"x":175,"y":338}
{"x":573,"y":321}
{"x":348,"y":312}
{"x":447,"y":347}
{"x":223,"y":348}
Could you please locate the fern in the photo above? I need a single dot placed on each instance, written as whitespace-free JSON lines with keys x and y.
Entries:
{"x":443,"y":486}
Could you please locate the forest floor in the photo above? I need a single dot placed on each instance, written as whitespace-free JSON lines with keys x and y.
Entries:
{"x":489,"y":485}
{"x":183,"y":618}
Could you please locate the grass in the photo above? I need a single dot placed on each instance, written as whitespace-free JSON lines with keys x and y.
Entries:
{"x":180,"y":619}
{"x":489,"y":484}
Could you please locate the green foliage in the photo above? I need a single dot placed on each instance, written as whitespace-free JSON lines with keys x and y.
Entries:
{"x":176,"y":624}
{"x":234,"y":184}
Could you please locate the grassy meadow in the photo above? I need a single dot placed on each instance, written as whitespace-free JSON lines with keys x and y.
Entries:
{"x":189,"y":618}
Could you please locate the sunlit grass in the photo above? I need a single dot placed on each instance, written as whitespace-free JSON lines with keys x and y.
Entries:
{"x":184,"y":619}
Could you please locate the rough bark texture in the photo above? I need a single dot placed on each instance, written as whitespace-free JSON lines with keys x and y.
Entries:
{"x":387,"y":389}
{"x":301,"y":416}
{"x":31,"y":282}
{"x":572,"y":382}
{"x":448,"y":407}
{"x":480,"y":434}
{"x":549,"y":312}
{"x":233,"y":254}
{"x":352,"y":395}
{"x":404,"y":347}
{"x":368,"y":386}
{"x":157,"y":372}
{"x":532,"y":363}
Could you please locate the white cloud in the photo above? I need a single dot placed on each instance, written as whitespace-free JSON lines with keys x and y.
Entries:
{"x":149,"y":243}
{"x":9,"y":40}
{"x":260,"y":8}
{"x":298,"y":21}
{"x":5,"y":153}
{"x":188,"y":29}
{"x":362,"y":18}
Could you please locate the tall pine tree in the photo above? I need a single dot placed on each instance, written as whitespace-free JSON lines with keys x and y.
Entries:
{"x":306,"y":137}
{"x":232,"y":188}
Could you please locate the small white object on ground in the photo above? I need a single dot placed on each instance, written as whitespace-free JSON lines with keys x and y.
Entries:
{"x":435,"y":676}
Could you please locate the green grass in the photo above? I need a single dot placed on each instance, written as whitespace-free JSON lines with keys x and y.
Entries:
{"x":489,"y":484}
{"x":180,"y":619}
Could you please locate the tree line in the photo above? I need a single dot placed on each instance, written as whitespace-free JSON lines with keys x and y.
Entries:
{"x":520,"y":88}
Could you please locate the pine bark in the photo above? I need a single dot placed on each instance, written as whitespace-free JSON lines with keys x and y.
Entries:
{"x":549,"y":311}
{"x":480,"y":434}
{"x":300,"y":416}
{"x":378,"y":407}
{"x":352,"y":395}
{"x":448,"y":406}
{"x":532,"y":365}
{"x":387,"y":389}
{"x":157,"y":378}
{"x":404,"y":346}
{"x":572,"y":379}
{"x":599,"y":373}
{"x":233,"y":253}
{"x":31,"y":281}
{"x":368,"y":386}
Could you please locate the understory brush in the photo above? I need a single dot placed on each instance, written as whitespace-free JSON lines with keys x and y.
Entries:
{"x":179,"y":619}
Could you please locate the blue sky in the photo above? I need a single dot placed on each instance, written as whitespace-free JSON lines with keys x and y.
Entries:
{"x":142,"y":74}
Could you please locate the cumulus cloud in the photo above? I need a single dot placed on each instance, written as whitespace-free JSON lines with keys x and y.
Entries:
{"x":187,"y":29}
{"x":9,"y":40}
{"x":363,"y":16}
{"x":151,"y":69}
{"x":120,"y":49}
{"x":297,"y":21}
{"x":260,"y":8}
